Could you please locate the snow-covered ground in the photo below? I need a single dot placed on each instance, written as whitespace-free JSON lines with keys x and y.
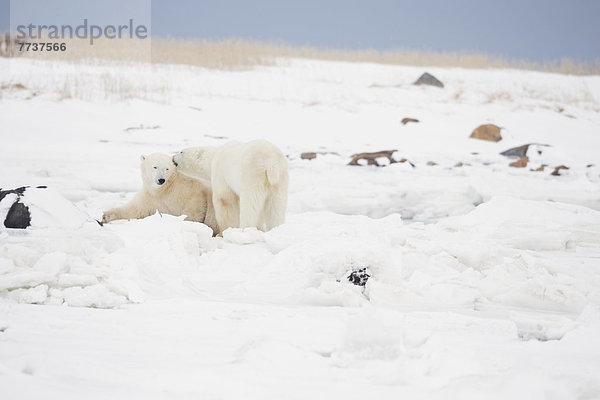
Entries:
{"x":485,"y":279}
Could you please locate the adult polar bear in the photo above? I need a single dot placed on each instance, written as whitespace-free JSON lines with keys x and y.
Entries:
{"x":249,"y":181}
{"x":166,"y":190}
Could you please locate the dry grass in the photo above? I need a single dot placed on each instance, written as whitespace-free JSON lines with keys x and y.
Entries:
{"x":241,"y":54}
{"x":233,"y":54}
{"x":225,"y":54}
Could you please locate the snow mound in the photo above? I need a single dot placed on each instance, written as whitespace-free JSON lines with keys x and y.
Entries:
{"x":516,"y":223}
{"x":105,"y":267}
{"x":500,"y":257}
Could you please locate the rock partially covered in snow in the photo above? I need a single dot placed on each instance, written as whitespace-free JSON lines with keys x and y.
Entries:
{"x":557,"y":170}
{"x":488,"y":132}
{"x":378,"y":158}
{"x":430,"y":80}
{"x":39,"y":207}
{"x":521,"y":151}
{"x":14,"y":213}
{"x":520,"y":163}
{"x":360,"y":276}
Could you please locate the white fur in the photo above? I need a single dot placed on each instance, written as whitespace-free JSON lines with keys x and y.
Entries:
{"x":176,"y":195}
{"x":249,"y":181}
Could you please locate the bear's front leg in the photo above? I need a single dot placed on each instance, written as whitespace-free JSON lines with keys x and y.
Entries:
{"x":129,"y":211}
{"x":112,"y":214}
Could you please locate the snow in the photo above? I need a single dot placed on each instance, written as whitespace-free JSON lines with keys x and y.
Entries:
{"x":484,"y":279}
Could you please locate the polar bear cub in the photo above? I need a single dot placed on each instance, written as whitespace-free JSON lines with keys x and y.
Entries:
{"x":249,"y":181}
{"x":169,"y":192}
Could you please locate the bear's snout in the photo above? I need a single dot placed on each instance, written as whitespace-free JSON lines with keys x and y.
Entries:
{"x":161,"y":181}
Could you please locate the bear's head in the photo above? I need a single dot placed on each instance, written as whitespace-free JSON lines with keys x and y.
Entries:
{"x":158,"y":171}
{"x":194,"y":161}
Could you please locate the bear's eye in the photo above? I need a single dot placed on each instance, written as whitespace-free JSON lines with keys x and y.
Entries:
{"x":155,"y":167}
{"x":167,"y":169}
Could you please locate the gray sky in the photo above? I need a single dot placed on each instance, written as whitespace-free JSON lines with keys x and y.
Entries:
{"x":539,"y":30}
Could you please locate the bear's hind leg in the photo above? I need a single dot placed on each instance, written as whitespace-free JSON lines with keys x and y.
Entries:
{"x":227,"y":210}
{"x":274,"y":210}
{"x":252,"y":203}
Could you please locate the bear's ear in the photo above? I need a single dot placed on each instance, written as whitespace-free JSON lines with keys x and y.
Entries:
{"x":142,"y":157}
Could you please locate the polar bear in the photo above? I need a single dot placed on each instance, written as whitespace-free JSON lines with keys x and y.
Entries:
{"x":169,"y":192}
{"x":249,"y":181}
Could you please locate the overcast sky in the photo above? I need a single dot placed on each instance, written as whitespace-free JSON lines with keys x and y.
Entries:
{"x":539,"y":30}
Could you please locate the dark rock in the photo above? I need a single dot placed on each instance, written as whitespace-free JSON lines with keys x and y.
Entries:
{"x":311,"y":155}
{"x":540,"y":168}
{"x":407,"y":120}
{"x":359,"y":277}
{"x":521,"y":151}
{"x":428,"y":79}
{"x":18,"y":216}
{"x":557,"y":170}
{"x":488,"y":132}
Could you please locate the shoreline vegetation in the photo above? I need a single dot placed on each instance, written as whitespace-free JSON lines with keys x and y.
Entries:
{"x":233,"y":54}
